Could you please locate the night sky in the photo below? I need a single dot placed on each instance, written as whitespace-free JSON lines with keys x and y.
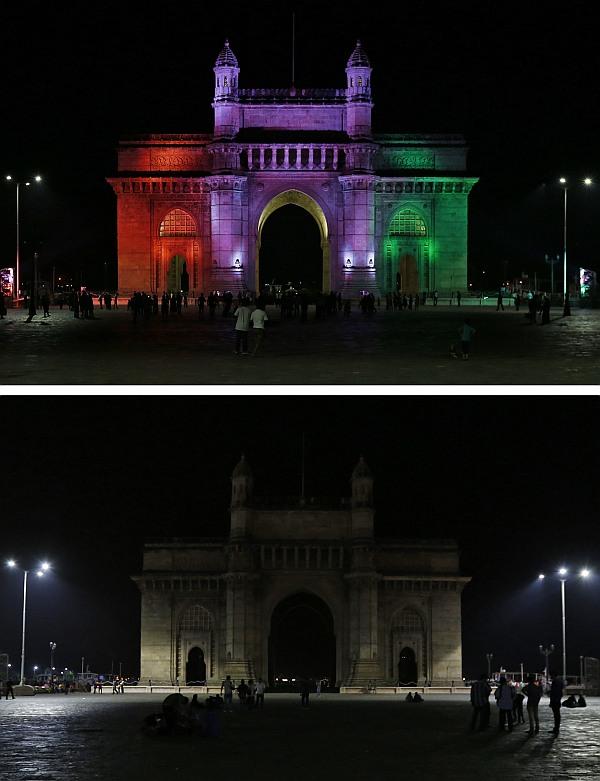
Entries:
{"x":86,"y":480}
{"x":516,"y":79}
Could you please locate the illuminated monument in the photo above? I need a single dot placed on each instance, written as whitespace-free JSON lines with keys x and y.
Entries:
{"x":301,"y":589}
{"x":391,"y":208}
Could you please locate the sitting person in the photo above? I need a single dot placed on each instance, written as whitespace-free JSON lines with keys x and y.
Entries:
{"x":570,"y":702}
{"x":409,"y":697}
{"x":176,"y":712}
{"x":417,"y":697}
{"x":581,"y":703}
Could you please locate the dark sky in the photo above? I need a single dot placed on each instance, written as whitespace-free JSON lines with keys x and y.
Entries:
{"x":86,"y":479}
{"x":516,"y":78}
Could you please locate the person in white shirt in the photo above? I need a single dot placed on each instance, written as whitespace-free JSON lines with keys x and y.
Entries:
{"x":242,"y":324}
{"x":258,"y":319}
{"x":260,"y":693}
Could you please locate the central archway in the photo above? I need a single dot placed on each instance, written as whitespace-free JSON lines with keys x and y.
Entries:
{"x":303,"y":201}
{"x":302,"y":639}
{"x":195,"y":669}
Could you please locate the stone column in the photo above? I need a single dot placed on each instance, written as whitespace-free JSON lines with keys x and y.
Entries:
{"x":157,"y":644}
{"x":262,"y":158}
{"x":286,"y":158}
{"x":311,"y":163}
{"x":250,"y":149}
{"x":323,"y":156}
{"x":239,"y":627}
{"x":298,"y":157}
{"x":229,"y":232}
{"x":358,"y":203}
{"x":273,"y":157}
{"x":335,"y":158}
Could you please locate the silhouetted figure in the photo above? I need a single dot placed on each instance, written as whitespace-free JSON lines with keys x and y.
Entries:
{"x":304,"y":693}
{"x":9,"y":689}
{"x":480,"y":701}
{"x":556,"y":693}
{"x":533,"y":691}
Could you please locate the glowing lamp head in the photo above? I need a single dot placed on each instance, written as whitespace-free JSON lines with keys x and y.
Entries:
{"x":587,"y":181}
{"x":563,"y":571}
{"x":562,"y":180}
{"x":45,"y":566}
{"x":585,"y":573}
{"x":38,"y":178}
{"x":39,"y":573}
{"x":11,"y":563}
{"x":8,"y":178}
{"x":541,"y":576}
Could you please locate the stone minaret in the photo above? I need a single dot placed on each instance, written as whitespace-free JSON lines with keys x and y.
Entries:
{"x":227,"y":112}
{"x":358,"y":94}
{"x":362,"y":501}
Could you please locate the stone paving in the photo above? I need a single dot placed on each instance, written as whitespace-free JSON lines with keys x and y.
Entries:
{"x":78,"y":737}
{"x":402,"y":348}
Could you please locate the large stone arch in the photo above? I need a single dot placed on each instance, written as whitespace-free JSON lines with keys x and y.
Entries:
{"x":316,"y":609}
{"x":296,"y":197}
{"x":409,"y":628}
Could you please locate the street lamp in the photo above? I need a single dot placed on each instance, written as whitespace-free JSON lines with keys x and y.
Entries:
{"x":562,"y":575}
{"x":565,"y":185}
{"x":43,"y":568}
{"x":9,"y":178}
{"x":489,"y":658}
{"x":545,"y":652}
{"x":52,"y":650}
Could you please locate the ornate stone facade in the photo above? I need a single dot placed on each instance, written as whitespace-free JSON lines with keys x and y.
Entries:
{"x":391,"y":208}
{"x":391,"y":609}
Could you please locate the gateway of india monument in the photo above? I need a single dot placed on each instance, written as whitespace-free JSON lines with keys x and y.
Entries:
{"x":391,"y":208}
{"x":301,"y":589}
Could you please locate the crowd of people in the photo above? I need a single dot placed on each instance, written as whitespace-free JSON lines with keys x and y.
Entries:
{"x":510,"y":699}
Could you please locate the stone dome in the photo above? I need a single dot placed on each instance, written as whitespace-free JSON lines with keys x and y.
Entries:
{"x":226,"y":58}
{"x":361,"y":469}
{"x":242,"y":469}
{"x":358,"y":58}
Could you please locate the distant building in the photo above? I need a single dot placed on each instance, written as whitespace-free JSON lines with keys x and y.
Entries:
{"x":391,"y":208}
{"x":301,"y":590}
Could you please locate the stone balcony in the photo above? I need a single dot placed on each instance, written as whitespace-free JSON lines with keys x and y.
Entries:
{"x":293,"y":157}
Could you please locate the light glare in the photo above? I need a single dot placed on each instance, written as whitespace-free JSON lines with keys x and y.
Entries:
{"x":39,"y":573}
{"x":45,"y":566}
{"x":587,"y":180}
{"x":9,"y":178}
{"x":562,"y":180}
{"x":541,"y":576}
{"x":562,"y":571}
{"x":584,"y":573}
{"x":11,"y":563}
{"x":38,"y":178}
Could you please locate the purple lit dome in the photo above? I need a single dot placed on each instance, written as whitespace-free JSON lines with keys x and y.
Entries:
{"x":226,"y":58}
{"x":358,"y":58}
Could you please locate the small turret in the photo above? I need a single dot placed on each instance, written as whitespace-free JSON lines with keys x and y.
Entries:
{"x":362,"y":485}
{"x":227,"y":73}
{"x":358,"y":93}
{"x":242,"y":484}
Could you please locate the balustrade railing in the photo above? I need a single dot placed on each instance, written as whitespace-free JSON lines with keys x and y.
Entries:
{"x":292,"y":157}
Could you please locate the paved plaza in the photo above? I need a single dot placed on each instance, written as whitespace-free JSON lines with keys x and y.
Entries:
{"x":351,"y":737}
{"x":390,"y":348}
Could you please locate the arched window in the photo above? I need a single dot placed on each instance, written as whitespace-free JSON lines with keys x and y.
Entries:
{"x":195,"y":619}
{"x":177,"y":223}
{"x":408,"y":222}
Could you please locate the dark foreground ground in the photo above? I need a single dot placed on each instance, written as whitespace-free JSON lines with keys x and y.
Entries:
{"x":391,"y":348}
{"x":369,"y":737}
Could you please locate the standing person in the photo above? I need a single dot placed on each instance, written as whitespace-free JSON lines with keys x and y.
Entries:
{"x":517,"y":302}
{"x":500,"y":305}
{"x":116,"y":299}
{"x":533,"y":691}
{"x":505,"y":695}
{"x":2,"y":306}
{"x":518,"y":717}
{"x":258,"y":318}
{"x":227,"y":692}
{"x":318,"y":688}
{"x":545,"y":309}
{"x":201,"y":302}
{"x":466,"y":332}
{"x":242,"y":325}
{"x":9,"y":688}
{"x":435,"y":297}
{"x":531,"y":307}
{"x":304,"y":693}
{"x":260,"y":693}
{"x":115,"y":685}
{"x":480,"y":700}
{"x":251,"y":694}
{"x":32,"y":309}
{"x":242,"y":690}
{"x":556,"y":694}
{"x":458,"y":297}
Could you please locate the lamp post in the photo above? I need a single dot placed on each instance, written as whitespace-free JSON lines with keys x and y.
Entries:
{"x":489,"y":658}
{"x":52,"y":650}
{"x":565,"y":185}
{"x":39,"y":573}
{"x":545,"y":652}
{"x":562,"y":574}
{"x":18,"y":263}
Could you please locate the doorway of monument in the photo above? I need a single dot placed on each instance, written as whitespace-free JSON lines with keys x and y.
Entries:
{"x":290,"y":250}
{"x":195,"y":668}
{"x":176,"y":272}
{"x":407,"y":667}
{"x":301,"y":641}
{"x":409,"y":274}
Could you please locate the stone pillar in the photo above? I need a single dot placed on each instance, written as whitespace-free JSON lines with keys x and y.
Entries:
{"x":323,"y":156}
{"x":298,"y":157}
{"x":229,"y":232}
{"x":311,"y":153}
{"x":157,"y":644}
{"x":240,"y":630}
{"x":286,"y":158}
{"x":335,"y":158}
{"x":250,"y":150}
{"x":363,"y":622}
{"x":358,"y":209}
{"x":273,"y":157}
{"x":446,"y":641}
{"x":262,"y":158}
